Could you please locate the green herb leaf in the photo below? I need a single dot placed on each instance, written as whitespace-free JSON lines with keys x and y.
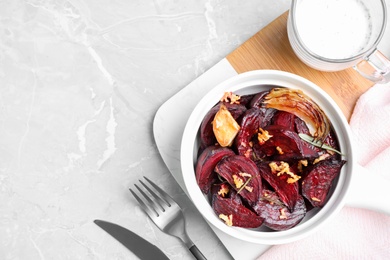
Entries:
{"x":318,"y":143}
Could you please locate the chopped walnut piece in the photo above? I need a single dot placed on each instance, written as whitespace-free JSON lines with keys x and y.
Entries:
{"x":293,"y":179}
{"x":302,"y":163}
{"x":282,"y":169}
{"x":321,"y":158}
{"x":263,"y":136}
{"x":237,"y":181}
{"x":250,"y":189}
{"x":223,"y":190}
{"x":231,"y":98}
{"x":315,"y":199}
{"x":228,"y":219}
{"x":283,"y":213}
{"x":244,"y":174}
{"x":280,"y":151}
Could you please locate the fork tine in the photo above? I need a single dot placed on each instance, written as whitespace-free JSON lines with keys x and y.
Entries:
{"x":148,"y":208}
{"x":158,"y":199}
{"x":168,"y":199}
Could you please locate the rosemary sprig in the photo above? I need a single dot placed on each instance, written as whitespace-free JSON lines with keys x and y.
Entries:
{"x":318,"y":143}
{"x":243,"y":186}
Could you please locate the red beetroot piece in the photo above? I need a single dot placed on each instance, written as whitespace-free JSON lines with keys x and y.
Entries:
{"x":295,"y":124}
{"x":207,"y":160}
{"x":287,"y":191}
{"x":286,"y":145}
{"x":317,"y":183}
{"x":284,"y":119}
{"x":229,"y":208}
{"x":257,"y":100}
{"x":242,"y":174}
{"x":251,"y":121}
{"x":246,"y":99}
{"x":276,"y":215}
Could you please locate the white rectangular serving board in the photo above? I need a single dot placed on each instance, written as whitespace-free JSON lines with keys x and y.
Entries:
{"x":168,"y":127}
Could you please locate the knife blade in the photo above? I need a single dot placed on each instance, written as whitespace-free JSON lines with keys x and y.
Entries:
{"x":136,"y":244}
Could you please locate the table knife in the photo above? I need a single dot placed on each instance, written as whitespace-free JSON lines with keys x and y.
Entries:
{"x":136,"y":244}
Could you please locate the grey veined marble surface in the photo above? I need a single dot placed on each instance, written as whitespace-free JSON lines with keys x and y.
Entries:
{"x":80,"y":83}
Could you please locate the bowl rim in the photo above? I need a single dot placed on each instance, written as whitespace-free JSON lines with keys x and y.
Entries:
{"x":246,"y":83}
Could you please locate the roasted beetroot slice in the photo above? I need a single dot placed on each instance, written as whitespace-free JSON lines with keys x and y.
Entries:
{"x":284,"y":119}
{"x":246,"y":99}
{"x":230,"y":210}
{"x":250,"y":123}
{"x":317,"y":183}
{"x":295,"y":124}
{"x":257,"y":100}
{"x":206,"y":163}
{"x":257,"y":152}
{"x":286,"y":140}
{"x":276,"y":215}
{"x":331,"y":140}
{"x":286,"y":145}
{"x":207,"y":137}
{"x":301,"y":127}
{"x":242,"y":174}
{"x":287,"y":192}
{"x":224,"y":190}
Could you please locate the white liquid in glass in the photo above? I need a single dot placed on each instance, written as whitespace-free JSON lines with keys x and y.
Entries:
{"x":334,"y":29}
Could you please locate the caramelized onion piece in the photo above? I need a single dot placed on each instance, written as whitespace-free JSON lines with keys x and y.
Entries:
{"x":296,"y":102}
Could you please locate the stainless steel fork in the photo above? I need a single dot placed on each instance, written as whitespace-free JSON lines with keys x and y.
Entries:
{"x":165,"y":213}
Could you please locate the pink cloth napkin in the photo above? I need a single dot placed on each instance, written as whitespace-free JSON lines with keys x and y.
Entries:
{"x":355,"y":233}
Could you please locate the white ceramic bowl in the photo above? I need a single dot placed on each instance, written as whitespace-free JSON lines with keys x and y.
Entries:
{"x":249,"y":83}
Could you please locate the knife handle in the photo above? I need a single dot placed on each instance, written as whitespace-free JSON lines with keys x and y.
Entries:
{"x":195,"y":251}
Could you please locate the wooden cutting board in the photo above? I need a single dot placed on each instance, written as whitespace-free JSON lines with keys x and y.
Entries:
{"x":270,"y":49}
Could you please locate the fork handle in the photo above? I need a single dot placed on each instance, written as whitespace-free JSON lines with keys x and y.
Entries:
{"x":195,"y":251}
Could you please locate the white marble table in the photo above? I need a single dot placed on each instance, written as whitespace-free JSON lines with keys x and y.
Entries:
{"x":80,"y":84}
